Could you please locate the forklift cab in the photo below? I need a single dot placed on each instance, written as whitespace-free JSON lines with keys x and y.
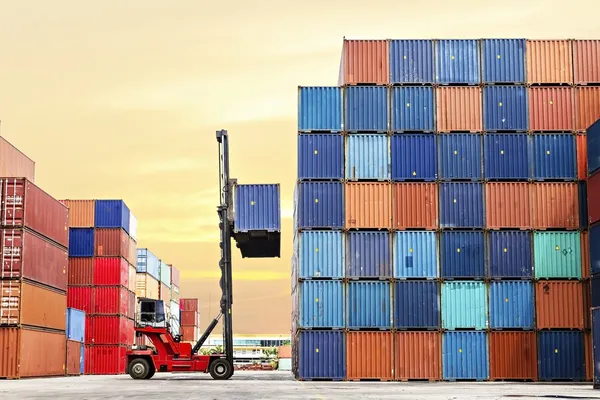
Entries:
{"x":151,"y":313}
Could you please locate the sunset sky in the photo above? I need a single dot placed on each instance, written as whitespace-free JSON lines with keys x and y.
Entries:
{"x":121,"y":99}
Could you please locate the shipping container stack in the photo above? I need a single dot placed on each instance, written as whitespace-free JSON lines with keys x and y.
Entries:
{"x":102,"y":279}
{"x":189,"y":319}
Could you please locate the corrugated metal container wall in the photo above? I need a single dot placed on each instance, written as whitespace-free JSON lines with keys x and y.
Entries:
{"x":366,"y":109}
{"x":321,"y":254}
{"x":175,"y":276}
{"x":554,"y":157}
{"x":559,"y":304}
{"x":75,"y":325}
{"x":320,"y":156}
{"x":462,"y":255}
{"x":165,"y":274}
{"x":73,"y":358}
{"x":81,"y":242}
{"x":459,"y":109}
{"x":365,"y":61}
{"x":188,"y":304}
{"x":581,"y":141}
{"x":513,"y":355}
{"x":596,"y":344}
{"x":551,"y":109}
{"x":457,"y":61}
{"x":80,"y":297}
{"x":368,"y":205}
{"x":81,"y":213}
{"x":417,"y":355}
{"x":321,"y":205}
{"x":549,"y":61}
{"x":380,"y":347}
{"x":511,"y":305}
{"x":555,"y":205}
{"x":589,"y":357}
{"x":111,"y":242}
{"x":585,"y":255}
{"x":368,"y":255}
{"x":112,"y":214}
{"x":81,"y":271}
{"x":411,"y":61}
{"x":133,"y":226}
{"x":111,"y":271}
{"x":593,"y":147}
{"x":369,"y":304}
{"x":583,"y":207}
{"x":415,"y":255}
{"x":465,"y":355}
{"x":368,"y":157}
{"x":505,"y":108}
{"x":113,"y":300}
{"x":413,"y":109}
{"x":588,"y":107}
{"x":414,"y":157}
{"x":321,"y":355}
{"x":507,"y":205}
{"x":464,"y":305}
{"x":148,"y":262}
{"x":320,"y":108}
{"x":257,"y":207}
{"x":510,"y":255}
{"x":506,"y":156}
{"x":461,"y":205}
{"x":586,"y":61}
{"x":415,"y":206}
{"x":105,"y":360}
{"x":132,"y":253}
{"x":460,"y":156}
{"x":24,"y":303}
{"x":557,"y":255}
{"x":108,"y":329}
{"x":503,"y":60}
{"x":322,"y":304}
{"x":190,"y":318}
{"x":561,"y":355}
{"x":593,"y":198}
{"x":14,"y":163}
{"x":417,"y":305}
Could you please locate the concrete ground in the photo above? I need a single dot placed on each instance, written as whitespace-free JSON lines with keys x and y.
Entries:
{"x":278,"y":386}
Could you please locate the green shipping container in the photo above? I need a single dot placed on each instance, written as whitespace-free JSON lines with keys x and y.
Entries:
{"x":557,"y":255}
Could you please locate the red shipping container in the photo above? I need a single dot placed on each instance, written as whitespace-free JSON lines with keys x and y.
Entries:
{"x":188,"y":304}
{"x":89,"y":333}
{"x":559,"y":305}
{"x":81,"y":298}
{"x":593,"y":198}
{"x":513,"y":355}
{"x":27,"y":255}
{"x":26,"y":205}
{"x":73,"y":358}
{"x":189,"y":333}
{"x":132,"y":255}
{"x":507,"y":205}
{"x":190,"y":318}
{"x":549,"y":61}
{"x":378,"y":365}
{"x":81,"y":271}
{"x":586,"y":61}
{"x":111,"y":300}
{"x":588,"y":107}
{"x":115,"y":330}
{"x":364,"y":61}
{"x":105,"y":360}
{"x":111,"y":242}
{"x":581,"y":157}
{"x":555,"y":205}
{"x":113,"y":271}
{"x":418,"y":355}
{"x":175,"y":276}
{"x":14,"y":163}
{"x":131,"y":304}
{"x":415,"y":206}
{"x":551,"y":109}
{"x":459,"y":109}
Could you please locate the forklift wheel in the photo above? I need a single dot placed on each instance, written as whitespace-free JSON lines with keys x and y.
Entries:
{"x":220,"y":369}
{"x":139,"y":368}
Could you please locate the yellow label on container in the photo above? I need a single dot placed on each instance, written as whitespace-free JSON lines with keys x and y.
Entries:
{"x":452,"y":57}
{"x":500,"y":104}
{"x":547,"y":151}
{"x":252,"y":203}
{"x":557,"y":248}
{"x":506,"y":300}
{"x":317,"y":300}
{"x":498,"y":56}
{"x":460,"y":350}
{"x":414,"y":173}
{"x":317,"y":350}
{"x":407,"y":104}
{"x":556,"y":351}
{"x":317,"y":250}
{"x":505,"y":250}
{"x":458,"y":250}
{"x":455,"y":152}
{"x":316,"y":200}
{"x":410,"y":250}
{"x":454,"y":200}
{"x":316,"y":151}
{"x":501,"y":151}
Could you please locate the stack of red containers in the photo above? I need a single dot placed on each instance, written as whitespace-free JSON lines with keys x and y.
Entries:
{"x":190,"y":319}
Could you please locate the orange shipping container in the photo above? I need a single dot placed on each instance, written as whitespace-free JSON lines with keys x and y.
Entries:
{"x":111,"y":242}
{"x":585,"y":255}
{"x":551,"y":109}
{"x":559,"y":304}
{"x":587,"y":304}
{"x":415,"y":206}
{"x":549,"y":61}
{"x":588,"y":106}
{"x":459,"y":109}
{"x":368,"y":205}
{"x":364,"y":61}
{"x":586,"y":61}
{"x":581,"y":157}
{"x":146,"y":286}
{"x":81,"y":271}
{"x":73,"y":362}
{"x":13,"y":163}
{"x":513,"y":355}
{"x":555,"y":205}
{"x":369,"y":356}
{"x":507,"y":205}
{"x":81,"y":213}
{"x":418,"y":355}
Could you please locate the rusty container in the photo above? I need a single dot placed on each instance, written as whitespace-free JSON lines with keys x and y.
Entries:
{"x":81,"y":213}
{"x":25,"y":303}
{"x":415,"y":206}
{"x":587,"y":100}
{"x":73,"y":359}
{"x":559,"y":305}
{"x":549,"y":61}
{"x":581,"y":141}
{"x":365,"y":61}
{"x":507,"y":205}
{"x":81,"y":271}
{"x":15,"y":163}
{"x":586,"y":61}
{"x":513,"y":356}
{"x":418,"y":355}
{"x":111,"y":242}
{"x":459,"y":109}
{"x":368,"y":205}
{"x":555,"y":205}
{"x":551,"y":109}
{"x":369,"y":356}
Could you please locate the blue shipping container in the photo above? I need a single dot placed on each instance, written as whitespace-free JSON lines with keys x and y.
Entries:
{"x":322,"y":304}
{"x":322,"y":355}
{"x":465,"y":356}
{"x":510,"y":254}
{"x":503,"y":60}
{"x":320,"y":108}
{"x":75,"y":325}
{"x":413,"y":109}
{"x":595,"y":289}
{"x":506,"y":156}
{"x":368,"y":157}
{"x":414,"y":157}
{"x":460,"y":156}
{"x":464,"y":305}
{"x":561,"y":355}
{"x":81,"y":242}
{"x":82,"y":359}
{"x":461,"y":205}
{"x":457,"y":61}
{"x":596,"y":345}
{"x":462,"y":254}
{"x":415,"y":255}
{"x":321,"y":205}
{"x":320,"y":156}
{"x":512,"y":305}
{"x":554,"y":157}
{"x":594,"y":238}
{"x":411,"y":61}
{"x":417,"y":305}
{"x":112,"y":214}
{"x":368,"y":255}
{"x":505,"y":108}
{"x":369,"y":304}
{"x":257,"y":208}
{"x":583,"y":205}
{"x":148,"y":262}
{"x":366,"y":109}
{"x":321,"y":254}
{"x":593,"y":147}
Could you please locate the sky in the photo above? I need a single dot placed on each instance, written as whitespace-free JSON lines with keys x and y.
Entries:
{"x":121,"y":99}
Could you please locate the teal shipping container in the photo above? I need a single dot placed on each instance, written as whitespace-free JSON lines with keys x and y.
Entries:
{"x":557,"y":255}
{"x":464,"y":305}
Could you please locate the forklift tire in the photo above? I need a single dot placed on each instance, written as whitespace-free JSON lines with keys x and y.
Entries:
{"x":220,"y":369}
{"x":139,"y":368}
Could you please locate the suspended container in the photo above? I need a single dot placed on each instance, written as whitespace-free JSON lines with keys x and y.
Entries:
{"x":507,"y":205}
{"x":368,"y":255}
{"x":503,"y":60}
{"x":461,"y":205}
{"x":465,"y":356}
{"x":462,"y":255}
{"x":561,"y":356}
{"x":586,"y":61}
{"x":417,"y":305}
{"x":557,"y":255}
{"x":366,"y":109}
{"x":320,"y":205}
{"x":359,"y":344}
{"x":320,"y":157}
{"x":588,"y":107}
{"x":413,"y":109}
{"x":505,"y":109}
{"x":257,"y":208}
{"x":322,"y":304}
{"x":512,"y":305}
{"x":551,"y":109}
{"x":506,"y":156}
{"x":414,"y":157}
{"x":513,"y":356}
{"x":415,"y":206}
{"x":368,"y":157}
{"x":368,"y":205}
{"x":457,"y":62}
{"x":321,"y":355}
{"x":319,"y":109}
{"x":322,"y":254}
{"x":364,"y":61}
{"x":415,"y":255}
{"x":510,"y":255}
{"x":555,"y":205}
{"x":549,"y":62}
{"x":458,"y":109}
{"x":464,"y":305}
{"x":460,"y":156}
{"x":418,"y":355}
{"x":559,"y":305}
{"x":411,"y":61}
{"x":554,"y":157}
{"x":369,"y":305}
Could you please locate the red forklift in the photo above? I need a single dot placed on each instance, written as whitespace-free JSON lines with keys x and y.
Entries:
{"x":168,"y":353}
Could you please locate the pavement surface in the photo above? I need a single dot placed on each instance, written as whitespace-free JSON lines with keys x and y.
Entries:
{"x":276,"y":385}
